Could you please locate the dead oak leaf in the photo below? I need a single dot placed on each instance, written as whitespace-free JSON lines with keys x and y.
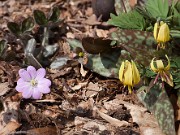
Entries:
{"x":4,"y":88}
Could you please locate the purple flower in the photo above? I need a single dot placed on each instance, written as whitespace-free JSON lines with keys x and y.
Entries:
{"x":32,"y":83}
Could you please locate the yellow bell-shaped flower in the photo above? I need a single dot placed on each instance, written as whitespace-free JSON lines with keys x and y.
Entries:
{"x":129,"y":74}
{"x":162,"y":71}
{"x":161,"y":33}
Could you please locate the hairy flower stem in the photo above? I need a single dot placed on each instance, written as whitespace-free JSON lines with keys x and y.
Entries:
{"x":44,"y":41}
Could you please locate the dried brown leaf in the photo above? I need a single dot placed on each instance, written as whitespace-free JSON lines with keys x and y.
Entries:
{"x":42,"y":131}
{"x":9,"y":128}
{"x":4,"y":88}
{"x":112,"y":120}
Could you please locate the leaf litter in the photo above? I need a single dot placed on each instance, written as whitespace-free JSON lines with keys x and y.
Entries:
{"x":80,"y":102}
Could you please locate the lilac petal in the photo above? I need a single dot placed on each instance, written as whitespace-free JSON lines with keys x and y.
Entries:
{"x":21,"y":81}
{"x":36,"y":94}
{"x":32,"y":71}
{"x":27,"y":93}
{"x":43,"y":89}
{"x":44,"y":82}
{"x":22,"y":87}
{"x":41,"y":73}
{"x":24,"y":75}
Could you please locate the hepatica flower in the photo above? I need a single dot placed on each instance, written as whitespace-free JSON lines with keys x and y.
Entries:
{"x":161,"y":33}
{"x":129,"y":74}
{"x":32,"y":83}
{"x":162,"y":71}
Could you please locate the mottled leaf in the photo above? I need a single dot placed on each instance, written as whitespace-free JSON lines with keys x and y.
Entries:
{"x":122,"y":6}
{"x":55,"y":13}
{"x":14,"y":28}
{"x":29,"y":52}
{"x":140,"y":44}
{"x":157,"y":101}
{"x":49,"y":50}
{"x":40,"y":17}
{"x":96,"y":45}
{"x":59,"y":62}
{"x":101,"y":63}
{"x":106,"y":64}
{"x":27,"y":24}
{"x":30,"y":47}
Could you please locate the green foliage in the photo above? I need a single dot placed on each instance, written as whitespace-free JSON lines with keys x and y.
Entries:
{"x":27,"y":24}
{"x":176,"y":71}
{"x":19,"y":29}
{"x":54,"y":15}
{"x":130,"y":20}
{"x":40,"y":17}
{"x":14,"y":28}
{"x":157,"y":101}
{"x":157,"y":8}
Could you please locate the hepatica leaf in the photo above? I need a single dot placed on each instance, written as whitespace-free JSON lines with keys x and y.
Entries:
{"x":130,"y":20}
{"x":54,"y":16}
{"x":40,"y":17}
{"x":27,"y":24}
{"x":14,"y":28}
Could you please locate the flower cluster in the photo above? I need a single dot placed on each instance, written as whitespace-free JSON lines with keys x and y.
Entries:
{"x":32,"y":83}
{"x":129,"y":74}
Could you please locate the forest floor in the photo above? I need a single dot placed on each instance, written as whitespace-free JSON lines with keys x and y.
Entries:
{"x":81,"y":102}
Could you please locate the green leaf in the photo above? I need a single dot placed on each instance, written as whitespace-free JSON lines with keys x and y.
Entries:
{"x":40,"y":17}
{"x":14,"y":28}
{"x":130,"y":20}
{"x":176,"y":17}
{"x":177,"y":61}
{"x":27,"y":24}
{"x":175,"y":33}
{"x":55,"y":13}
{"x":157,"y":8}
{"x":178,"y":6}
{"x":157,"y":101}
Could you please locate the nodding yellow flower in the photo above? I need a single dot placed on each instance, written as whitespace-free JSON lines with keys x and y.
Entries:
{"x":161,"y":33}
{"x":162,"y":71}
{"x":129,"y":74}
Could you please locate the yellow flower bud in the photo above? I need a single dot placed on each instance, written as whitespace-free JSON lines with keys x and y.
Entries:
{"x":163,"y":71}
{"x":161,"y":32}
{"x":129,"y":74}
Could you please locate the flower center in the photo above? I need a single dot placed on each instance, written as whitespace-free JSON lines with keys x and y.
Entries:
{"x":33,"y":82}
